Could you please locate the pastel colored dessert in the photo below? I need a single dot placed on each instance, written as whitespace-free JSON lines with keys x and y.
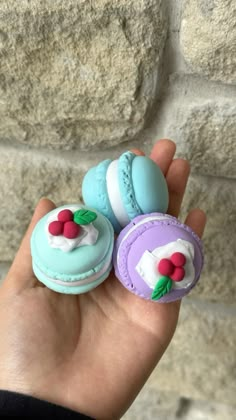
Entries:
{"x":158,"y":258}
{"x":72,"y":249}
{"x":125,"y":188}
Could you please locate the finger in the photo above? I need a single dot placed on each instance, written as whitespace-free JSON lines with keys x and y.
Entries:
{"x":196,"y":220}
{"x":162,"y":154}
{"x":138,"y":152}
{"x":21,"y":273}
{"x":177,"y":178}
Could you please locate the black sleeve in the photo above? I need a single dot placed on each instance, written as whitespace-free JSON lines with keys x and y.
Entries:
{"x":14,"y":404}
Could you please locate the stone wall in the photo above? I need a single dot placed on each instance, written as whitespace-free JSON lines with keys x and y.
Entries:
{"x":84,"y":80}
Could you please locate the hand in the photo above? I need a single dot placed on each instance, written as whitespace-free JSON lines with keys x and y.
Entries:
{"x":92,"y":352}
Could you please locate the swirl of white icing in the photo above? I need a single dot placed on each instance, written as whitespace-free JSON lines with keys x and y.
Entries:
{"x":148,"y":263}
{"x":88,"y":234}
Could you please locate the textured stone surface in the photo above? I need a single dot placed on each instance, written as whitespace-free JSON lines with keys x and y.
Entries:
{"x":201,"y":118}
{"x":217,"y":197}
{"x":200,"y":410}
{"x":206,"y":135}
{"x":200,"y":361}
{"x":208,"y":38}
{"x":153,"y":404}
{"x":4,"y":267}
{"x":77,"y":72}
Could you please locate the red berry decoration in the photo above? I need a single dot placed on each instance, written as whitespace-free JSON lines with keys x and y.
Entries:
{"x":178,"y":274}
{"x":71,"y":230}
{"x":165,"y":267}
{"x":65,"y":215}
{"x":56,"y":228}
{"x":178,"y":259}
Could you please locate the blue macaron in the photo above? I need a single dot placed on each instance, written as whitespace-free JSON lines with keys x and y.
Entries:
{"x":71,"y":249}
{"x":125,"y":188}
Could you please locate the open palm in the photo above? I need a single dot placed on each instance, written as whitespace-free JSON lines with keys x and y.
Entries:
{"x":91,"y":352}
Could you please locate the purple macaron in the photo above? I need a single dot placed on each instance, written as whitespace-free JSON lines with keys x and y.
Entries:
{"x":158,"y":258}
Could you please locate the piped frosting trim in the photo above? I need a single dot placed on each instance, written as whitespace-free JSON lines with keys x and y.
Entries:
{"x":114,"y":194}
{"x":126,"y":185}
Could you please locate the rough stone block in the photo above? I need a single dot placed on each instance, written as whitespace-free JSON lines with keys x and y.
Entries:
{"x":78,"y":73}
{"x":200,"y":361}
{"x":153,"y":404}
{"x":205,"y":410}
{"x":205,"y":134}
{"x":217,"y":197}
{"x":208,"y":38}
{"x":4,"y":267}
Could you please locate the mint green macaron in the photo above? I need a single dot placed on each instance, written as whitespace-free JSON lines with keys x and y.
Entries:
{"x":71,"y":249}
{"x":125,"y":188}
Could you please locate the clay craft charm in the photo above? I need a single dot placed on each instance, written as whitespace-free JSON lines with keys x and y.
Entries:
{"x":125,"y":188}
{"x":72,"y":249}
{"x":158,"y":258}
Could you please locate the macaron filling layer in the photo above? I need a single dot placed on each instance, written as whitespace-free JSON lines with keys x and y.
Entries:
{"x":76,"y":282}
{"x":114,"y":194}
{"x":102,"y":202}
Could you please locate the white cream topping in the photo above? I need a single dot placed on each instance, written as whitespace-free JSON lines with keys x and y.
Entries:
{"x":148,"y":263}
{"x":88,"y":234}
{"x":114,"y":194}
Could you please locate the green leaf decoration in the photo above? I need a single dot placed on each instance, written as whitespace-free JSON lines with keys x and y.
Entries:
{"x":84,"y":217}
{"x":162,"y":287}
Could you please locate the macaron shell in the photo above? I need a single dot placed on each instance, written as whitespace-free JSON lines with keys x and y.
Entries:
{"x":147,"y":236}
{"x":94,"y":192}
{"x":149,"y":185}
{"x":80,"y":263}
{"x":89,"y":190}
{"x":141,"y":186}
{"x":72,"y":289}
